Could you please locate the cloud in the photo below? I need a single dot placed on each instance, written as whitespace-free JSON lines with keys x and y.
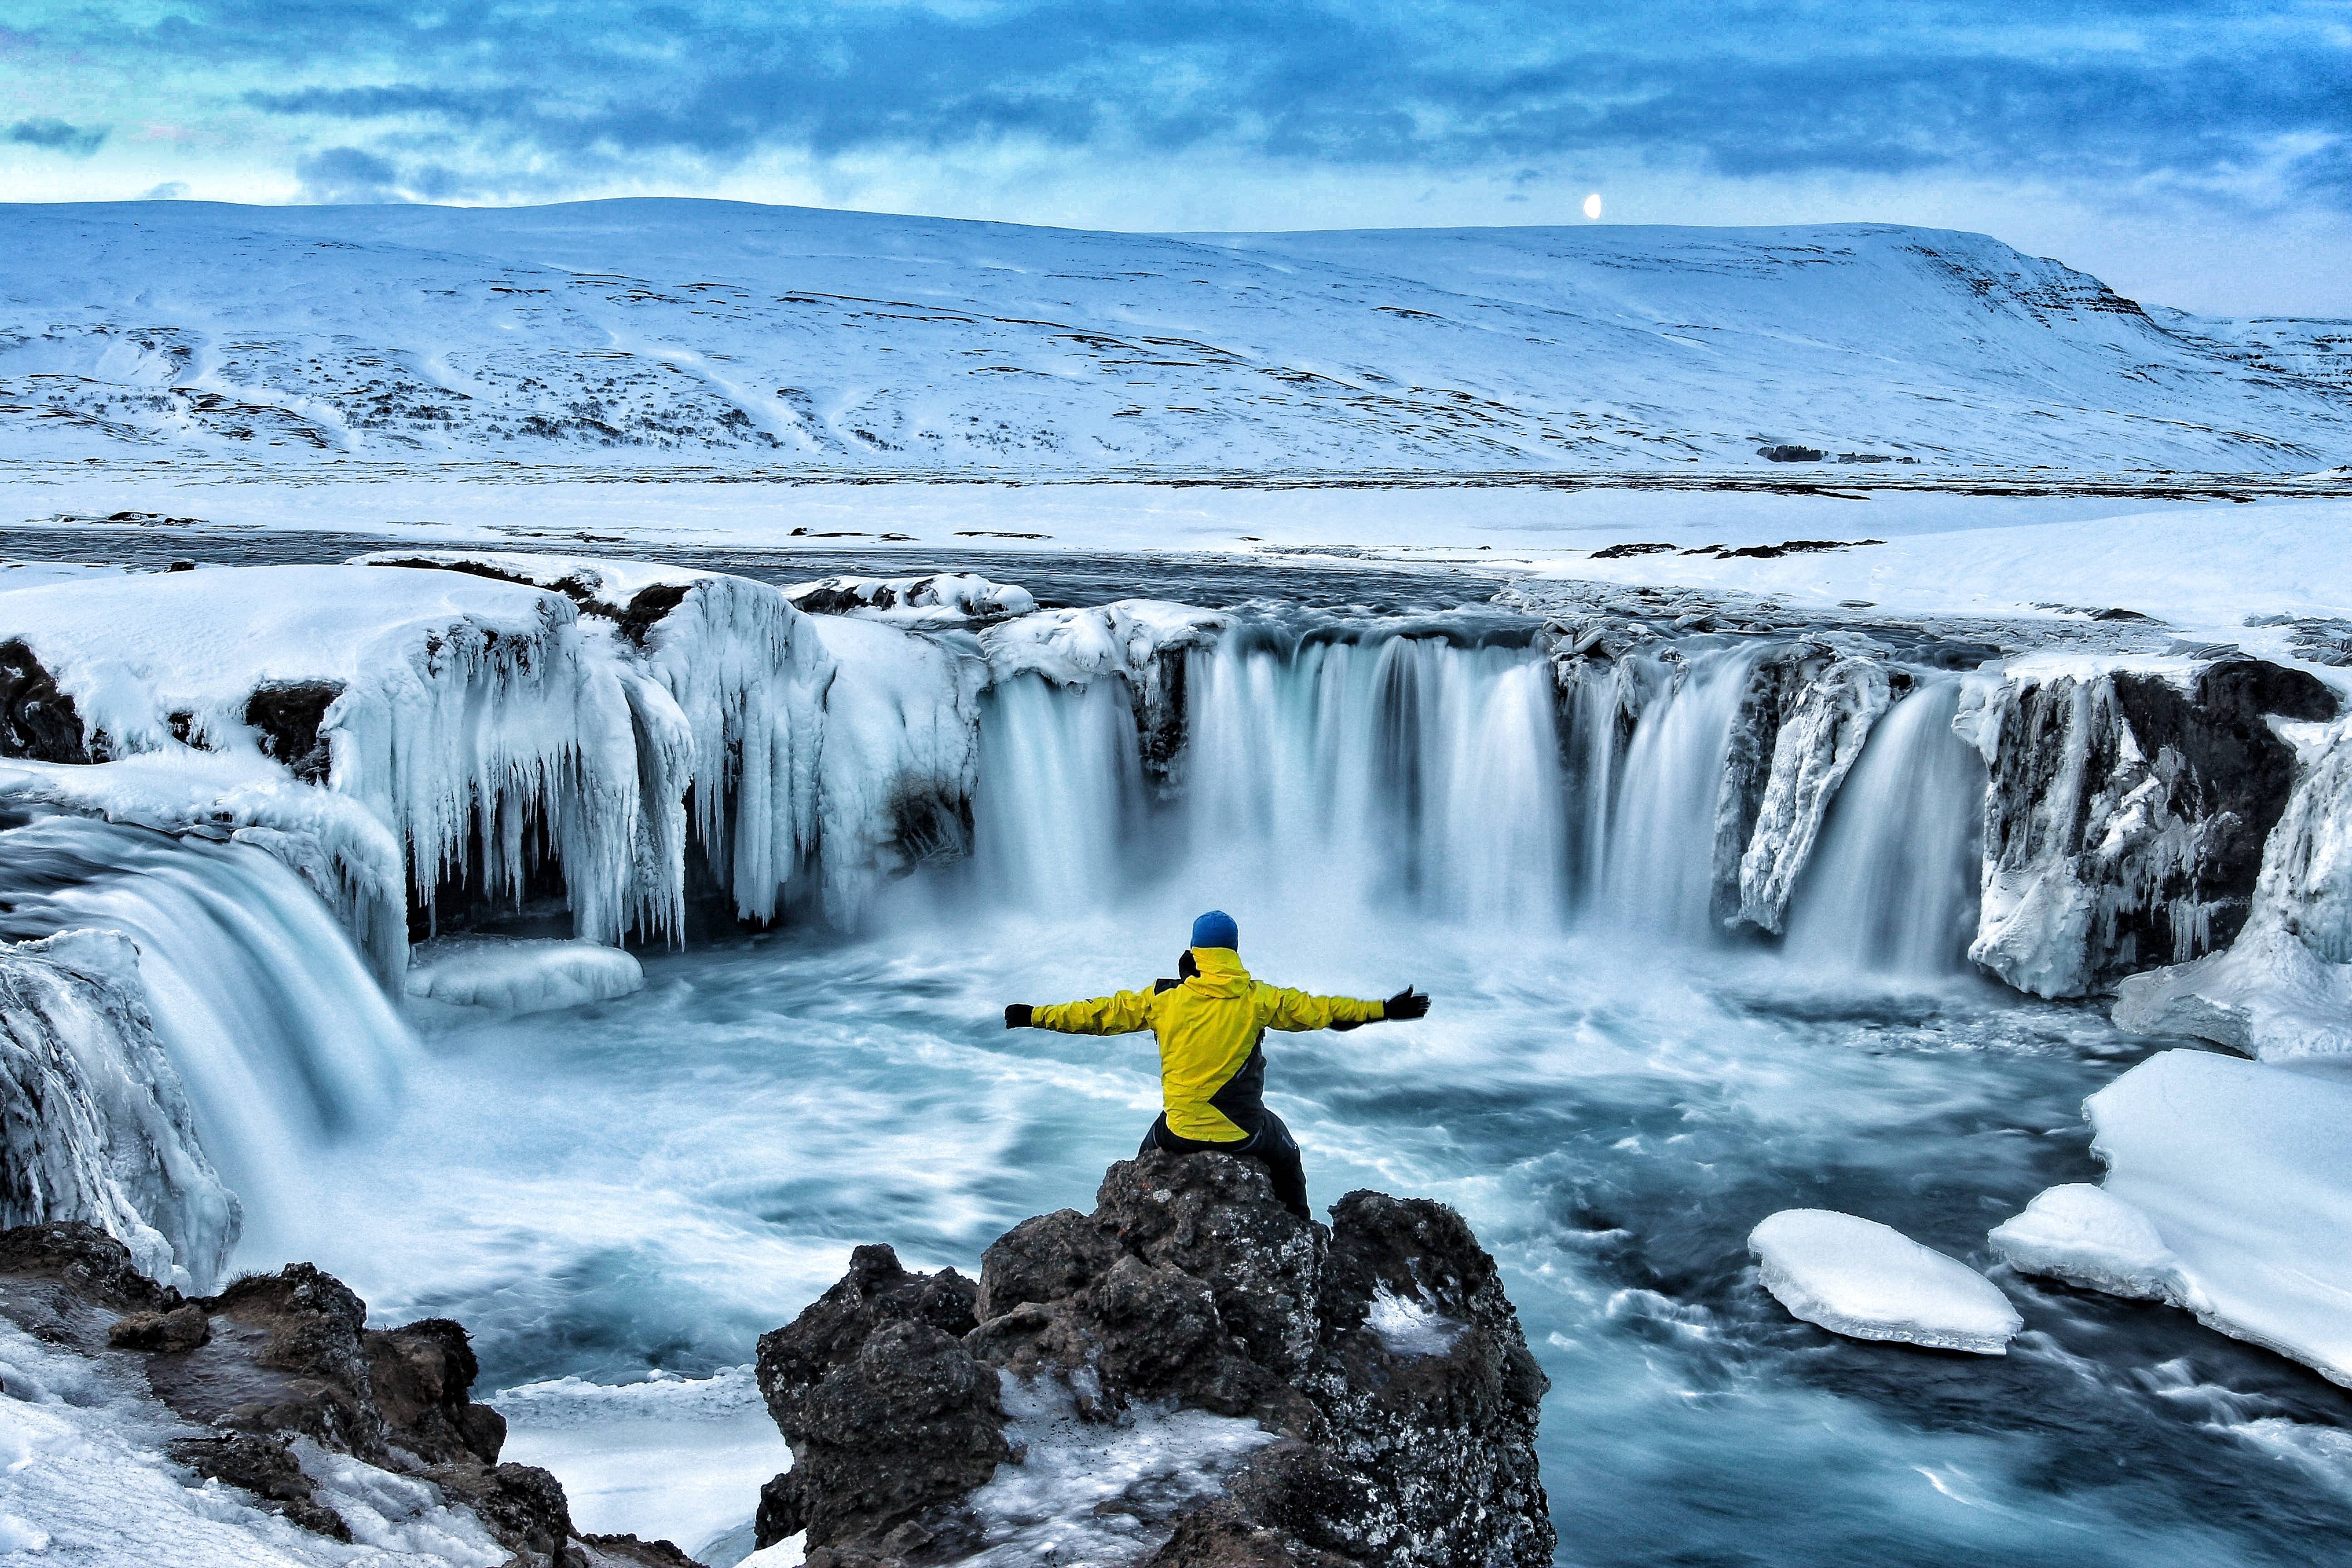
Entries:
{"x":56,"y":135}
{"x":347,"y":176}
{"x":169,"y":191}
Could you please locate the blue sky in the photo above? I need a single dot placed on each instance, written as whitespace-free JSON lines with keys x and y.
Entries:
{"x":2196,"y":154}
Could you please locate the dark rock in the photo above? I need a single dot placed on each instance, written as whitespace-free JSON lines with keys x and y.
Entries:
{"x":525,"y":1508}
{"x":889,"y":1416}
{"x":2141,"y":801}
{"x":1188,"y":1280}
{"x":627,"y":1550}
{"x":422,"y":1375}
{"x":1621,"y":552}
{"x":87,"y":1261}
{"x":38,"y":721}
{"x":283,"y":1356}
{"x":181,"y":1329}
{"x":266,"y":1466}
{"x":835,"y":1327}
{"x":1789,"y":454}
{"x":289,"y":713}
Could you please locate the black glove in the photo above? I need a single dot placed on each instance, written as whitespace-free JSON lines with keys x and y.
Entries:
{"x":1406,"y":1003}
{"x":1016,"y":1015}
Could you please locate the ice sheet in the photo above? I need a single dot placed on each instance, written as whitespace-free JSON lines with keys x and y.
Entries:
{"x":520,"y":976}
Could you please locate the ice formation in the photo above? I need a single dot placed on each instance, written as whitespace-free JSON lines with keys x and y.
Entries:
{"x":2129,"y":809}
{"x":901,"y":757}
{"x":520,"y":976}
{"x":1808,"y":738}
{"x":1868,"y":1281}
{"x":944,"y":598}
{"x":726,"y":685}
{"x":2228,"y":1194}
{"x":2284,"y":989}
{"x":95,"y":1125}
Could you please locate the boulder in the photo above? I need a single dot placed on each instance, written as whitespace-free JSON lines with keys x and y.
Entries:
{"x":276,"y":1358}
{"x":1380,"y":1358}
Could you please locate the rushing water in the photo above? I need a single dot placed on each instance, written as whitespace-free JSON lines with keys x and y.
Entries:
{"x":1613,"y":1089}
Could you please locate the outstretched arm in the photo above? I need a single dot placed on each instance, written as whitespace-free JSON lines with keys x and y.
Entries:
{"x":1120,"y":1015}
{"x":1296,"y":1010}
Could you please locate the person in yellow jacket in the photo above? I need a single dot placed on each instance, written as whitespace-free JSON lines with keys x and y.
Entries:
{"x":1212,"y":1022}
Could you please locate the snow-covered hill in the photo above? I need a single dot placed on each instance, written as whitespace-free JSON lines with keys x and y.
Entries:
{"x":690,"y":332}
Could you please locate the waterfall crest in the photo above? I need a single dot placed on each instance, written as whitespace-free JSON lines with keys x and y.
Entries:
{"x":278,"y":1029}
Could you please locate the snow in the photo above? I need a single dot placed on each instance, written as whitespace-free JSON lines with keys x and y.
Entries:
{"x":1408,"y":1326}
{"x":1086,"y":1491}
{"x":1819,"y":742}
{"x":520,"y":976}
{"x":1868,"y":1281}
{"x":943,"y":598}
{"x":682,"y":333}
{"x":1074,"y":648}
{"x":2088,"y":1237}
{"x":83,"y":1474}
{"x":95,"y":1123}
{"x":2229,"y":1193}
{"x":667,"y":1458}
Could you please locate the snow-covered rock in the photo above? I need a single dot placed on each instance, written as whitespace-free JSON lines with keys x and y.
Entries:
{"x":94,"y":1124}
{"x":2229,"y":1193}
{"x":1869,"y":1282}
{"x":901,"y":757}
{"x":944,"y":598}
{"x":1142,"y":642}
{"x":520,"y":976}
{"x":2129,"y":805}
{"x":462,"y":712}
{"x":1800,"y":731}
{"x":2284,"y":989}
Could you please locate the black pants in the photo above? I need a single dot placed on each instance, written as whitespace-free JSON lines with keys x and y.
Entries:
{"x":1270,"y":1142}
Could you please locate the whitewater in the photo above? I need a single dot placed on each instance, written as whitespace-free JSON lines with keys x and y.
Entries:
{"x":617,"y":1198}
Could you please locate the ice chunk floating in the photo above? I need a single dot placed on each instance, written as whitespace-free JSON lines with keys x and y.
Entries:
{"x":1868,"y":1281}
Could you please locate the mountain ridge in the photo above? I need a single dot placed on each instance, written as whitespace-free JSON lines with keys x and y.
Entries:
{"x":651,"y":331}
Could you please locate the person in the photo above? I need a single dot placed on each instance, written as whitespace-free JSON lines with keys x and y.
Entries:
{"x":1211,"y":1022}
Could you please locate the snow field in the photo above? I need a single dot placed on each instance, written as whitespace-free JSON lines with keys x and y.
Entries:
{"x":1868,"y":1281}
{"x":2229,"y":1193}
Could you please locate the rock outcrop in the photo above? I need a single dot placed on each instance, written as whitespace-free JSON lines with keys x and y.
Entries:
{"x":282,"y":1365}
{"x":1368,"y":1385}
{"x":2128,"y":812}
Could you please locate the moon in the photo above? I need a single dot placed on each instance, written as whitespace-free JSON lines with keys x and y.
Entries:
{"x":1592,"y":206}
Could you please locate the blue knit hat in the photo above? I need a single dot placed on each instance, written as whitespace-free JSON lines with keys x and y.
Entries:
{"x":1217,"y":929}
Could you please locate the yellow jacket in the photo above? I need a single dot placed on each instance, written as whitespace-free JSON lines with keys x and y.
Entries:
{"x":1210,"y":1026}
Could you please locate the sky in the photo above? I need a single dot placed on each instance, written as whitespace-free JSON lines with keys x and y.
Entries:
{"x":2193,"y":154}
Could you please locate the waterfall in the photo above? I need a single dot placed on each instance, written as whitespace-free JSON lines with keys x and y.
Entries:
{"x":1893,"y":887}
{"x":1440,"y":770}
{"x":277,"y":1028}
